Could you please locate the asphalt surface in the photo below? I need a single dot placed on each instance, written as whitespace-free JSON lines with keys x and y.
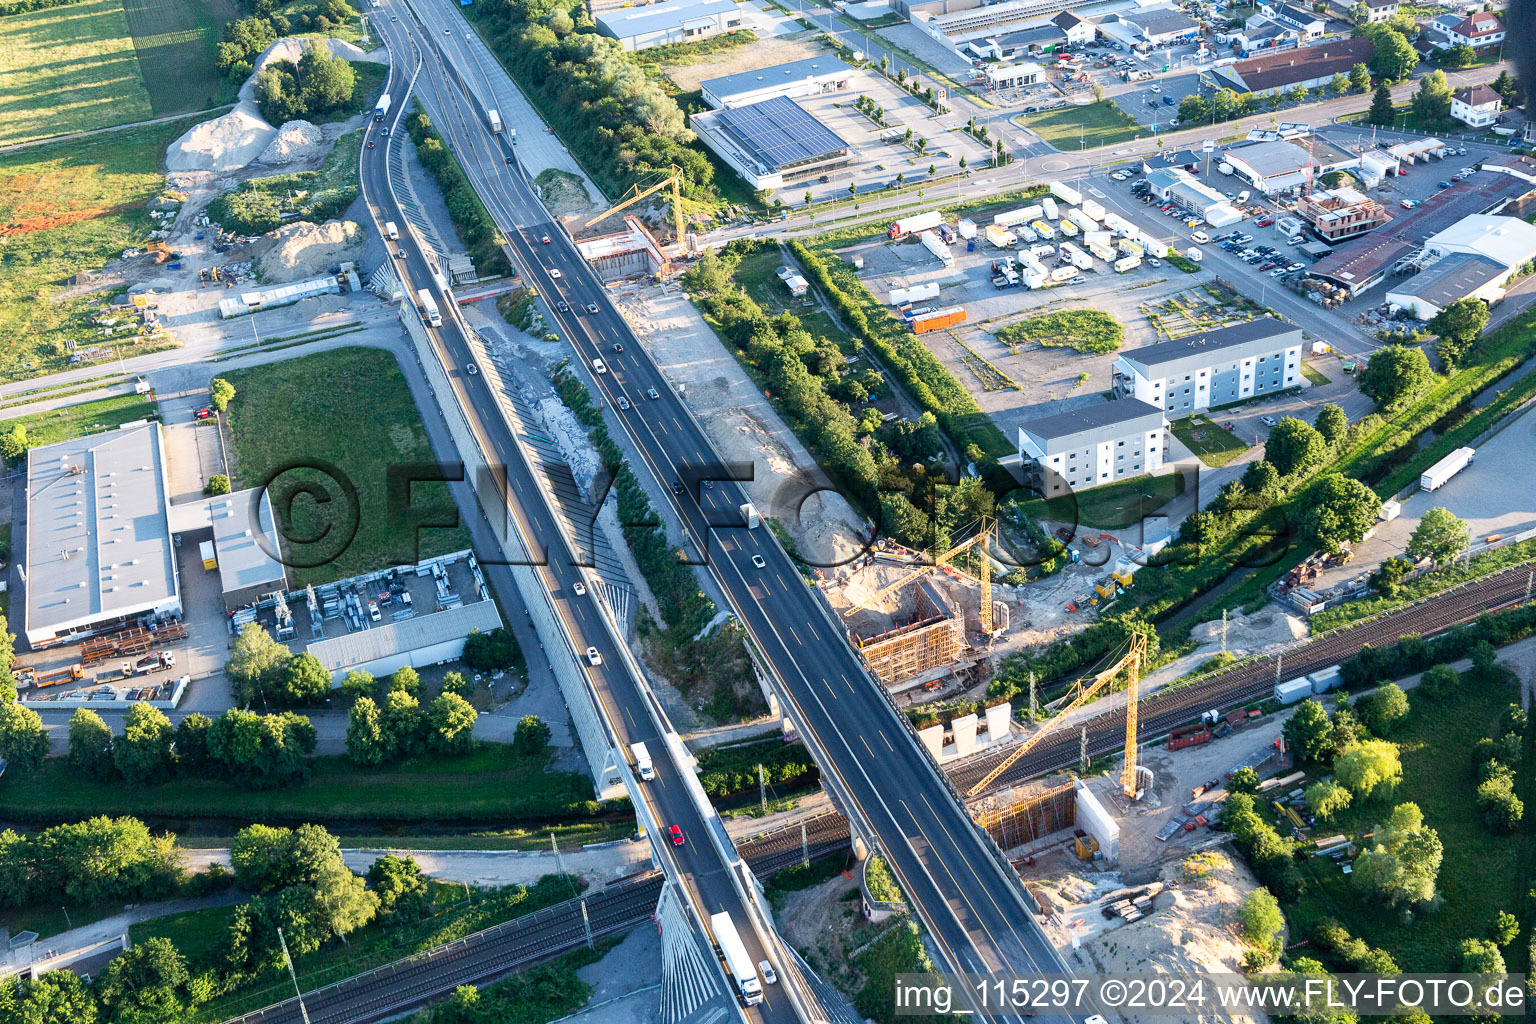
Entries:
{"x":870,"y":757}
{"x":695,"y":862}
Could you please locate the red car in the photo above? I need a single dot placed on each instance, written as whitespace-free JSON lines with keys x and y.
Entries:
{"x":203,"y":414}
{"x":1264,"y":222}
{"x":676,"y":834}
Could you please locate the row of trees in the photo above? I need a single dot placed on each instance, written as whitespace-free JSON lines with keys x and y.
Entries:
{"x":403,"y":729}
{"x":249,"y":749}
{"x":99,"y":860}
{"x":1227,"y":104}
{"x":470,"y":218}
{"x":262,"y":670}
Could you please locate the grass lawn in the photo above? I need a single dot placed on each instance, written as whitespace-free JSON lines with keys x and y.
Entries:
{"x":1481,"y":874}
{"x":69,"y":69}
{"x":349,"y":409}
{"x":1086,"y":330}
{"x":757,"y":274}
{"x":1213,"y":444}
{"x":1312,"y":373}
{"x":571,"y":837}
{"x":176,"y":42}
{"x":50,"y":919}
{"x":1112,"y":506}
{"x":490,"y":783}
{"x":194,"y":932}
{"x":85,"y":418}
{"x":66,"y":208}
{"x":1069,"y":127}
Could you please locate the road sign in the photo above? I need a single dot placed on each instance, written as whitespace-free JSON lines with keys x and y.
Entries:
{"x":1209,"y":145}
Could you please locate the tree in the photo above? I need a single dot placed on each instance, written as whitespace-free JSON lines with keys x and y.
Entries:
{"x":1338,"y":85}
{"x":1369,"y":768}
{"x":255,"y":663}
{"x":532,"y":737}
{"x":1402,"y":867}
{"x":105,"y":859}
{"x":1459,"y":56}
{"x":261,"y":751}
{"x":1294,"y":448}
{"x":143,"y":753}
{"x":1484,"y":657}
{"x":1343,"y":509}
{"x":1261,"y":918}
{"x":23,"y":743}
{"x":450,"y":724}
{"x":491,"y":652}
{"x":1388,"y":579}
{"x":1505,"y":929}
{"x":1332,"y":424}
{"x":90,"y":745}
{"x":1244,"y":780}
{"x":192,"y":742}
{"x":1505,"y":86}
{"x":57,"y":997}
{"x":1440,"y":536}
{"x":1513,"y":720}
{"x":220,"y":392}
{"x":1394,"y":58}
{"x":1360,"y":15}
{"x":365,"y":737}
{"x":7,"y":661}
{"x":1501,"y":809}
{"x":1394,"y":375}
{"x":400,"y":886}
{"x":1382,"y":112}
{"x":1479,"y":956}
{"x":962,"y":163}
{"x":216,"y":485}
{"x":328,"y":79}
{"x":401,"y":725}
{"x":1360,"y":78}
{"x":13,"y":443}
{"x":303,"y":681}
{"x":454,"y":682}
{"x":1261,"y":478}
{"x":1309,"y":734}
{"x":1382,"y":709}
{"x":359,"y":683}
{"x":1327,"y":798}
{"x":1459,"y":326}
{"x":144,"y":983}
{"x":1347,"y":729}
{"x":404,"y":679}
{"x":1432,"y":100}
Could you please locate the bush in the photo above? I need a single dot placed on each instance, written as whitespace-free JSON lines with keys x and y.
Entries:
{"x":1086,"y":330}
{"x":216,"y":485}
{"x":469,"y":215}
{"x":727,"y":770}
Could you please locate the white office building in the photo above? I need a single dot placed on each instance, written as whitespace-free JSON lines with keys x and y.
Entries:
{"x":677,"y":21}
{"x":1092,"y":446}
{"x":1216,"y":368}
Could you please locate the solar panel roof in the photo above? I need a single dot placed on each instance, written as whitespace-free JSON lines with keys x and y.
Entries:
{"x":780,"y":133}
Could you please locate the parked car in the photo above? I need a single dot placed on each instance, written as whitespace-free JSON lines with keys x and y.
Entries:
{"x":1268,"y":421}
{"x":1444,"y":184}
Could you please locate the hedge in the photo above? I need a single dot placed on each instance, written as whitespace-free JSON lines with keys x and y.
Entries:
{"x":727,"y":770}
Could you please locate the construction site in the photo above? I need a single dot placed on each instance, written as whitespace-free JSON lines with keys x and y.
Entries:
{"x":625,"y":249}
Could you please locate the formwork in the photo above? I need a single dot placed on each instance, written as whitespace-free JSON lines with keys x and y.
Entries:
{"x":932,"y":639}
{"x":1020,"y":815}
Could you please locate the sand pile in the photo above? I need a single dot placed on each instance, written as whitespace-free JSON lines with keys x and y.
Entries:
{"x":302,"y":250}
{"x":223,"y":144}
{"x":295,"y":140}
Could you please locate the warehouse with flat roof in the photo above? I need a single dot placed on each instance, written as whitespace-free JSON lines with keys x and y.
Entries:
{"x":772,"y":142}
{"x":812,"y":76}
{"x":677,"y":21}
{"x":98,"y":538}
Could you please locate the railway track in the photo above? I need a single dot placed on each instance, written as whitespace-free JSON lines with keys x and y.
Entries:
{"x":475,"y":959}
{"x":825,"y":834}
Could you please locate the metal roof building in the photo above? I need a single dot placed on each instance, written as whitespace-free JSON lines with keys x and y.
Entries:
{"x":245,"y":539}
{"x":680,"y":21}
{"x":771,"y":142}
{"x":98,"y":540}
{"x":417,"y":642}
{"x":809,"y":77}
{"x":1456,"y":277}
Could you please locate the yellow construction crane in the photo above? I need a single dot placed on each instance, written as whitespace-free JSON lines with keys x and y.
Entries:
{"x":674,"y":179}
{"x":1135,"y":656}
{"x":984,"y":537}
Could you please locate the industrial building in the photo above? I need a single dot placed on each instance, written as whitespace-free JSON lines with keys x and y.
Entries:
{"x":1514,"y":164}
{"x":956,"y":22}
{"x":1365,"y":261}
{"x":676,"y":21}
{"x":1474,"y":258}
{"x":1159,"y":25}
{"x":771,"y":143}
{"x":283,"y":295}
{"x":98,"y":537}
{"x":814,"y":76}
{"x":1013,"y":76}
{"x":1214,"y":368}
{"x":1099,"y":444}
{"x":1340,"y":213}
{"x":1309,"y":66}
{"x":1176,"y":185}
{"x":243,"y":543}
{"x":1270,"y":167}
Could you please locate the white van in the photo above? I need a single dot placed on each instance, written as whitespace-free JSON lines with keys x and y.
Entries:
{"x":1242,"y":197}
{"x":390,"y":231}
{"x":1194,"y":254}
{"x":1200,"y":238}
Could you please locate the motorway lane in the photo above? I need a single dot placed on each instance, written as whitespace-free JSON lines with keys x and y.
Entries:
{"x":696,"y":862}
{"x":971,"y":908}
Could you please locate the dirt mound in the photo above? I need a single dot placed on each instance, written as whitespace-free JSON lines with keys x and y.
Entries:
{"x":302,"y":249}
{"x":223,"y":144}
{"x":295,"y":140}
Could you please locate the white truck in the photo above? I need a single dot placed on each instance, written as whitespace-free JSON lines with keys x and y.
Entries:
{"x":494,"y":117}
{"x":1436,"y":476}
{"x":391,"y":231}
{"x":967,"y":228}
{"x":381,"y":108}
{"x":643,"y":761}
{"x":749,"y":513}
{"x":934,"y":244}
{"x":740,"y":966}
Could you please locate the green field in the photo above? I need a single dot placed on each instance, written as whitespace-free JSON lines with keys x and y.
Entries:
{"x":85,"y":418}
{"x":176,"y":41}
{"x":66,"y":208}
{"x":1112,"y":506}
{"x":68,"y":69}
{"x":1481,"y":874}
{"x":321,"y":421}
{"x":1212,"y":444}
{"x":1071,"y":128}
{"x":488,"y":784}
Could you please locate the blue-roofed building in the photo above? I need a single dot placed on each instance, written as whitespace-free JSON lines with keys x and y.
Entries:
{"x":812,"y":76}
{"x":771,"y":143}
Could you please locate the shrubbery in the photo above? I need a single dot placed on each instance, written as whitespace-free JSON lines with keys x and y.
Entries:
{"x":470,"y":218}
{"x":318,"y":84}
{"x":727,"y":770}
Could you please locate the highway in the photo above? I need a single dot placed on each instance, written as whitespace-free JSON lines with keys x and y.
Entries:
{"x":869,"y":756}
{"x":695,"y":862}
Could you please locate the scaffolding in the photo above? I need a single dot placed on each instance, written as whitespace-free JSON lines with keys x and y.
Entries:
{"x":1018,"y":816}
{"x":934,"y":639}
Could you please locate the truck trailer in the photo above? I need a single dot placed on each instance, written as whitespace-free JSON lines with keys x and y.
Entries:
{"x":1066,"y":193}
{"x":1436,"y":476}
{"x":1068,"y":229}
{"x":737,"y":962}
{"x":938,"y":319}
{"x":749,"y":514}
{"x":494,"y":117}
{"x":1082,"y":220}
{"x":934,"y":244}
{"x":643,"y":764}
{"x":916,"y":222}
{"x":381,"y":108}
{"x":1049,"y":206}
{"x":1156,"y":248}
{"x":967,"y":228}
{"x":1093,"y":209}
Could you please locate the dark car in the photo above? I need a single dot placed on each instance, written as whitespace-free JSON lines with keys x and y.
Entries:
{"x":677,"y":487}
{"x":1064,"y":533}
{"x":563,"y":306}
{"x":618,"y":346}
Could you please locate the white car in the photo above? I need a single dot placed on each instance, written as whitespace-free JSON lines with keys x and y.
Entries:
{"x":593,"y":657}
{"x":580,"y":588}
{"x":554,"y":272}
{"x":769,"y":977}
{"x":652,"y":392}
{"x":757,"y":560}
{"x":1268,"y":421}
{"x":623,"y":402}
{"x":471,"y":369}
{"x":599,"y":366}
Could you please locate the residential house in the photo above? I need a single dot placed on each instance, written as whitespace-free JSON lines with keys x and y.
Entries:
{"x":1080,"y":31}
{"x":1088,"y":447}
{"x":1483,"y":32}
{"x":1309,"y":67}
{"x":1476,"y":106}
{"x":1308,"y":24}
{"x":1376,"y":10}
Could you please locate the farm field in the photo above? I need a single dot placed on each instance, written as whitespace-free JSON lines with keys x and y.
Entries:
{"x":92,"y":208}
{"x":176,"y":41}
{"x":69,"y":69}
{"x":308,"y":421}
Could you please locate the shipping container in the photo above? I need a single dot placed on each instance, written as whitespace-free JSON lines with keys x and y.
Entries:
{"x":1188,"y":736}
{"x":1066,"y":193}
{"x":967,"y":228}
{"x":916,"y":222}
{"x":1437,"y":475}
{"x":205,"y":549}
{"x":1326,"y":679}
{"x":915,"y":293}
{"x":1294,"y":690}
{"x":1001,"y":236}
{"x":938,"y":319}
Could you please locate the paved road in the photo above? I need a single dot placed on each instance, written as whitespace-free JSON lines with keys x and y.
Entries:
{"x":870,"y":755}
{"x":695,"y":862}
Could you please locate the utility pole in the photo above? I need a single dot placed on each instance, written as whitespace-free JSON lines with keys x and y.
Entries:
{"x":1082,"y":750}
{"x":1034,"y":699}
{"x":303,"y":1012}
{"x":805,"y":848}
{"x":586,"y":925}
{"x":1529,"y":578}
{"x":762,"y":789}
{"x":1223,"y":631}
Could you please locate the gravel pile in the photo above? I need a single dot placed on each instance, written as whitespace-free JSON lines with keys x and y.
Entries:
{"x":303,"y":250}
{"x":295,"y":140}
